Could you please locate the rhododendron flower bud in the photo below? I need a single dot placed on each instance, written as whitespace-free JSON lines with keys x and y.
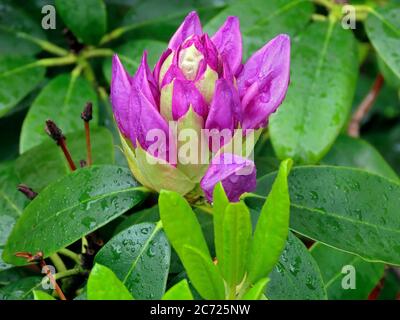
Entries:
{"x":199,"y":89}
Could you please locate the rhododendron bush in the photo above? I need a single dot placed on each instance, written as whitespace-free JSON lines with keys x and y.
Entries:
{"x":199,"y":150}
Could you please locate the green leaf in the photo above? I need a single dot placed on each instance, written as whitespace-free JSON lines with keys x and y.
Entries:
{"x":12,"y":203}
{"x":331,"y":263}
{"x":160,"y":19}
{"x":21,"y":289}
{"x":21,"y":78}
{"x":203,"y":273}
{"x":177,"y":218}
{"x":131,"y":53}
{"x":45,"y":163}
{"x":12,"y":275}
{"x":272,"y":228}
{"x":86,"y":19}
{"x":383,"y":29}
{"x":296,"y":276}
{"x":256,"y":292}
{"x":353,"y":152}
{"x":103,"y":284}
{"x":220,"y":202}
{"x":140,"y":257}
{"x":71,"y":208}
{"x":360,"y":206}
{"x":236,"y":234}
{"x":324,"y":70}
{"x":41,"y":295}
{"x":62,"y":100}
{"x":261,"y":20}
{"x":13,"y":22}
{"x":145,"y":215}
{"x":180,"y":291}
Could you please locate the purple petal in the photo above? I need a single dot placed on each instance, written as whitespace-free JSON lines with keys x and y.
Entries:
{"x":144,"y":117}
{"x":190,"y":26}
{"x":223,"y":110}
{"x":228,"y":41}
{"x":160,"y":62}
{"x":238,"y":175}
{"x":264,"y":80}
{"x":120,"y":92}
{"x":144,"y":80}
{"x":185,"y":94}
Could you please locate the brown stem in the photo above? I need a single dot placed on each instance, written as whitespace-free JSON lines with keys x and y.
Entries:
{"x":67,"y":155}
{"x":53,"y":281}
{"x":56,"y":134}
{"x":88,"y":144}
{"x":364,"y":107}
{"x":38,"y":257}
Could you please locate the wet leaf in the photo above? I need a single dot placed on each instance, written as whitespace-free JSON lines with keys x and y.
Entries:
{"x":103,"y":284}
{"x":62,"y":213}
{"x":323,"y":78}
{"x":333,"y":263}
{"x":140,"y":257}
{"x":359,"y":206}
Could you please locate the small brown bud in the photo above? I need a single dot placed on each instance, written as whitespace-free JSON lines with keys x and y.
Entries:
{"x":87,"y":113}
{"x":28,"y":192}
{"x":53,"y":131}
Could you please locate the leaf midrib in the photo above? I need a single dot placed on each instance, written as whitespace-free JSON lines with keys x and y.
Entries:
{"x":156,"y":229}
{"x":44,"y":221}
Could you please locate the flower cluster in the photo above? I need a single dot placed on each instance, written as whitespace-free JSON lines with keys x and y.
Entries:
{"x":198,"y":84}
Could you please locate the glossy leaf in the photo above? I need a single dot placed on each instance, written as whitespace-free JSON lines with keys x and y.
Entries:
{"x":237,"y":234}
{"x":261,"y":20}
{"x":86,"y":19}
{"x":333,"y":263}
{"x":323,"y":78}
{"x":296,"y":276}
{"x":352,"y":152}
{"x":63,"y":213}
{"x":45,"y":163}
{"x":383,"y":29}
{"x":145,"y":215}
{"x":272,"y":228}
{"x":41,"y":295}
{"x":140,"y":257}
{"x":177,"y":218}
{"x":21,"y":78}
{"x":360,"y":206}
{"x":179,"y":291}
{"x":203,"y":273}
{"x":220,"y":202}
{"x":131,"y":53}
{"x":103,"y":284}
{"x":62,"y":100}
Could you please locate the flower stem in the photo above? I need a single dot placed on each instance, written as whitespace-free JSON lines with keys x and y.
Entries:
{"x":364,"y":107}
{"x":70,"y":254}
{"x":58,"y":263}
{"x":67,"y":273}
{"x":67,"y":155}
